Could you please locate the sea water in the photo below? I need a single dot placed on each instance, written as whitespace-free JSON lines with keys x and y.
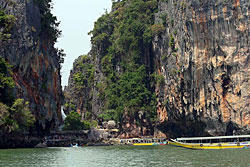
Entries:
{"x":127,"y":156}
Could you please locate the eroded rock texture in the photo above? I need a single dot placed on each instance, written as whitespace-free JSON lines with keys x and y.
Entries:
{"x":36,"y":68}
{"x":204,"y":58}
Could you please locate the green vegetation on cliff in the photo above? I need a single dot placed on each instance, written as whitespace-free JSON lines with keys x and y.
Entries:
{"x":74,"y":122}
{"x":6,"y":82}
{"x":130,"y":94}
{"x":15,"y":115}
{"x":82,"y":80}
{"x":84,"y":77}
{"x":123,"y":39}
{"x":17,"y":118}
{"x":49,"y":22}
{"x":6,"y":24}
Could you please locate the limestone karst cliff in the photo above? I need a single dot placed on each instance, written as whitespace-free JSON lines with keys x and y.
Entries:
{"x":179,"y":67}
{"x":206,"y":67}
{"x":29,"y":48}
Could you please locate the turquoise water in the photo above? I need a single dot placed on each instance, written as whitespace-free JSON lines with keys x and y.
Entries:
{"x":114,"y":156}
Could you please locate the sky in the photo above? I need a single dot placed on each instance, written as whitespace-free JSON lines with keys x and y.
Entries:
{"x":77,"y":18}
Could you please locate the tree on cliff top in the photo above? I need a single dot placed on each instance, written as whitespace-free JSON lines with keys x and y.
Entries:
{"x":49,"y":22}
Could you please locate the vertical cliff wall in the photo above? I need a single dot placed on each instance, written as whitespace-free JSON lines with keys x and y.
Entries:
{"x":204,"y":58}
{"x":36,"y":69}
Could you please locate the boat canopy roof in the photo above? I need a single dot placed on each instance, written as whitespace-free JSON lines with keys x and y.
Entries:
{"x":213,"y":137}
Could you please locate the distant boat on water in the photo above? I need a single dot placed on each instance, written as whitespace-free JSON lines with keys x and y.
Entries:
{"x":74,"y":145}
{"x":144,"y":141}
{"x":41,"y":145}
{"x":216,"y":142}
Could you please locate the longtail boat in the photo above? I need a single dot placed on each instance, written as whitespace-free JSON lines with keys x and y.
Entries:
{"x":215,"y":142}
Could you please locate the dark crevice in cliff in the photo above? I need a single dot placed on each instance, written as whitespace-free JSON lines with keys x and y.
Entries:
{"x":225,"y":84}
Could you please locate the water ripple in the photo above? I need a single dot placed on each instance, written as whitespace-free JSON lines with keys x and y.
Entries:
{"x":127,"y":156}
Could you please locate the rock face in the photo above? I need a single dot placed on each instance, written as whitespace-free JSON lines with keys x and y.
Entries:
{"x":202,"y":54}
{"x":204,"y":58}
{"x":36,"y":68}
{"x":78,"y":93}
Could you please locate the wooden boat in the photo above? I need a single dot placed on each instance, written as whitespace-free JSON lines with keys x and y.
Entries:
{"x":144,"y":141}
{"x":216,"y":142}
{"x":149,"y":142}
